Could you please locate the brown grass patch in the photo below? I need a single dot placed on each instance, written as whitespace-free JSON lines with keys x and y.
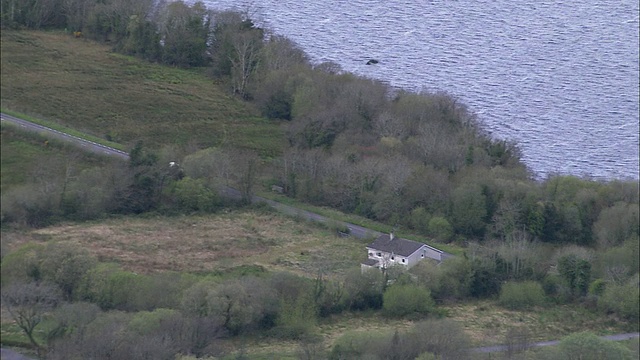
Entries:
{"x":487,"y":323}
{"x":208,"y":243}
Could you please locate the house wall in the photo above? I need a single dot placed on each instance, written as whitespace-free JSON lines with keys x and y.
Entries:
{"x":411,"y":260}
{"x":427,"y":251}
{"x":432,"y":253}
{"x":415,"y":257}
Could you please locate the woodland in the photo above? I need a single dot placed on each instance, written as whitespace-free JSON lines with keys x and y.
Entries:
{"x":418,"y":162}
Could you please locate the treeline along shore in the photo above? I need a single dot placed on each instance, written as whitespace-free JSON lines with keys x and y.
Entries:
{"x":206,"y":98}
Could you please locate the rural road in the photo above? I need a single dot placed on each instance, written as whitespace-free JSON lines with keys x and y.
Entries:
{"x":82,"y":143}
{"x":354,"y":230}
{"x":6,"y":354}
{"x":501,"y":348}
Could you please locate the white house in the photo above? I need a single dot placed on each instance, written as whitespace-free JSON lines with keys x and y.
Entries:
{"x":388,"y":250}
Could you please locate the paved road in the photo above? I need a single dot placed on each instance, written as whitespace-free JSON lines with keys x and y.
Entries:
{"x":501,"y":348}
{"x":354,"y":230}
{"x":6,"y":354}
{"x":84,"y":144}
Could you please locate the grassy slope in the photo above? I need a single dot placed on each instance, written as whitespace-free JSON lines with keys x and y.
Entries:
{"x":83,"y":85}
{"x":17,"y":158}
{"x":23,"y":152}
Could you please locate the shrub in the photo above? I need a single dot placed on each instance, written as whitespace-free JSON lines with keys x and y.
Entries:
{"x":65,"y":265}
{"x":243,"y":304}
{"x":22,"y":265}
{"x":576,"y":272}
{"x":194,"y":195}
{"x":146,"y":322}
{"x":402,"y":300}
{"x":521,"y":295}
{"x":419,"y":219}
{"x":363,"y":290}
{"x":597,"y":287}
{"x":623,"y":300}
{"x":112,"y":288}
{"x":359,"y":345}
{"x":455,"y":277}
{"x":587,"y":346}
{"x":440,"y":229}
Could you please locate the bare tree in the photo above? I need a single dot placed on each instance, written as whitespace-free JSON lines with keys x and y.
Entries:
{"x":387,"y":125}
{"x":281,"y":53}
{"x":28,"y":303}
{"x":517,"y":340}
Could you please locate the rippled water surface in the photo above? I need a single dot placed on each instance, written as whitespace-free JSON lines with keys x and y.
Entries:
{"x":558,"y":77}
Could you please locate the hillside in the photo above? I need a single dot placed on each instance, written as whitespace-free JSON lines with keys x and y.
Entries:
{"x":146,"y":251}
{"x":84,"y":85}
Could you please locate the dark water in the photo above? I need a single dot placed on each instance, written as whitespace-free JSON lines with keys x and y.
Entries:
{"x":558,"y":77}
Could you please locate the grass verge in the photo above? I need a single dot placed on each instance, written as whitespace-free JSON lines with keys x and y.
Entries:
{"x":23,"y":153}
{"x":65,"y":130}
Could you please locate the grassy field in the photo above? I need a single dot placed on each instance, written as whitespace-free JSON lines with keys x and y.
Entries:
{"x":18,"y":158}
{"x":23,"y":152}
{"x":65,"y":130}
{"x":83,"y":85}
{"x":209,"y":243}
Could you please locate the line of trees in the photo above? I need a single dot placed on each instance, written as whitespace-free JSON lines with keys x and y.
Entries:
{"x":82,"y":308}
{"x":68,"y":186}
{"x":169,"y":32}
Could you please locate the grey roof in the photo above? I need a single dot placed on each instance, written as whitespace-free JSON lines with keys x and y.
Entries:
{"x":402,"y":247}
{"x":370,"y":262}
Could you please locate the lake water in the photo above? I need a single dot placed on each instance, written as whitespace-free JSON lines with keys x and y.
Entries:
{"x":560,"y":78}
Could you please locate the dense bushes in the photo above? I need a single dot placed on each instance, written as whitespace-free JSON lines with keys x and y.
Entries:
{"x":587,"y":346}
{"x":524,"y":295}
{"x":402,"y":300}
{"x":622,"y":299}
{"x":441,"y":338}
{"x":173,"y":313}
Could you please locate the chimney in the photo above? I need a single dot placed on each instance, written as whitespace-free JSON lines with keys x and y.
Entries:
{"x":391,"y":236}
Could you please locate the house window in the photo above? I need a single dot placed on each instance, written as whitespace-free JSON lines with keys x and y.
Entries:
{"x":403,"y":261}
{"x":370,"y":254}
{"x":379,"y":254}
{"x":422,"y":256}
{"x":392,"y":258}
